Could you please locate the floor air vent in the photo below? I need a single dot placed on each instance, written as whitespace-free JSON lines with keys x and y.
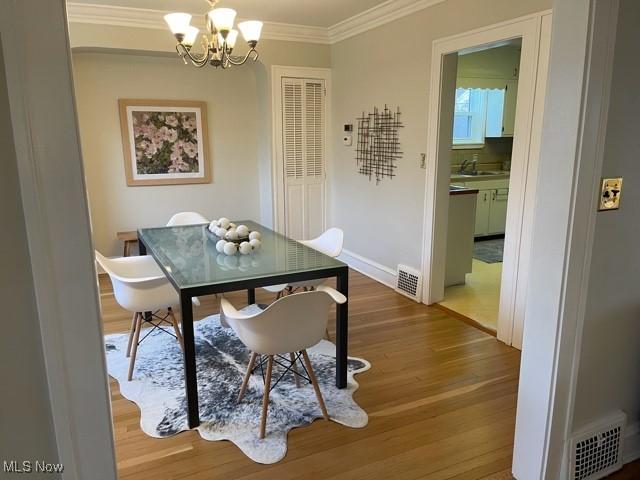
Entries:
{"x":409,"y":282}
{"x":597,"y":449}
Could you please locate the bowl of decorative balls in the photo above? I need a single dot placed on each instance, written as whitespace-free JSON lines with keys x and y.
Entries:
{"x":232,"y":238}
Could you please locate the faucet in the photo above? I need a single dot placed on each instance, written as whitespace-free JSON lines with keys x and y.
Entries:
{"x":474,"y":164}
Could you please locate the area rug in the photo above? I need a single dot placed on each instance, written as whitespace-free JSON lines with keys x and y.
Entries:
{"x":489,"y":251}
{"x":158,"y":390}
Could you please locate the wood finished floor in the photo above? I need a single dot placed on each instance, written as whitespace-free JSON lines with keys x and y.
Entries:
{"x":441,"y":399}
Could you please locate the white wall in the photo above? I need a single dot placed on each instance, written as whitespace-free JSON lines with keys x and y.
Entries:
{"x":390,"y":65}
{"x":58,"y":270}
{"x":101,"y":79}
{"x":609,"y":371}
{"x":25,"y":412}
{"x":112,"y":62}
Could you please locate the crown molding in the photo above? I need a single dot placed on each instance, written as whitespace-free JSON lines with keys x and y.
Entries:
{"x":376,"y":16}
{"x":153,"y":19}
{"x":146,"y":18}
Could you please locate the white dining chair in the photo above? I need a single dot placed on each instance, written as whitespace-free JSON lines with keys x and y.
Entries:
{"x":330,"y":243}
{"x":140,"y":286}
{"x":186,"y":218}
{"x":278,"y":331}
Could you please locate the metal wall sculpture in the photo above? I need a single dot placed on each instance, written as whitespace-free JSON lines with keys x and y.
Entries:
{"x":378,"y":145}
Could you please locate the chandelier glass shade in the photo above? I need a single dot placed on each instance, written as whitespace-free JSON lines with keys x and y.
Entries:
{"x":219,"y":39}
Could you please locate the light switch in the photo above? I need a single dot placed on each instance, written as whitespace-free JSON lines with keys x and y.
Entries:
{"x":610,"y":194}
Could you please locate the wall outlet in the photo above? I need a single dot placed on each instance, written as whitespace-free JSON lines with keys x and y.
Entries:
{"x":610,"y":194}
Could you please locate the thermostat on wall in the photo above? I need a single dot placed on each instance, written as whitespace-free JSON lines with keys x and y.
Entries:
{"x":347,"y":140}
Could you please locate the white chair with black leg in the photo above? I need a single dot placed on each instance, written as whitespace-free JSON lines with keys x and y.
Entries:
{"x":140,"y":286}
{"x":186,"y":218}
{"x":277,"y":331}
{"x":330,"y":243}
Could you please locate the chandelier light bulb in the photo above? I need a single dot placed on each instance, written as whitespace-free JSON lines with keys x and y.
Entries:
{"x":223,"y":19}
{"x":251,"y":30}
{"x":178,"y":24}
{"x":191,"y":36}
{"x":218,"y":40}
{"x":231,"y":38}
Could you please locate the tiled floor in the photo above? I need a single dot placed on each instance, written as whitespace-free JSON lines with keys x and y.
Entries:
{"x":479,"y":297}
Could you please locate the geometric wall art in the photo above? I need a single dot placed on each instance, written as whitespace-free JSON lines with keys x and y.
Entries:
{"x":378,"y":145}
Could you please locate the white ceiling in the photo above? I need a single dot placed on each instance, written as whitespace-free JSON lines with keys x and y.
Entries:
{"x":318,"y":13}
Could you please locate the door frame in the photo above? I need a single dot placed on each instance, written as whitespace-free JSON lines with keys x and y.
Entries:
{"x":277,"y":164}
{"x":56,"y":213}
{"x":522,"y":180}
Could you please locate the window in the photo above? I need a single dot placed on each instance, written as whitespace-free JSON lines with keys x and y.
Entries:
{"x":469,"y":116}
{"x":479,"y":113}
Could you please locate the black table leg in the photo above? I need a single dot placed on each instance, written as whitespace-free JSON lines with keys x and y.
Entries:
{"x":142,"y":250}
{"x":190,"y":377}
{"x":342,"y":328}
{"x":251,"y":296}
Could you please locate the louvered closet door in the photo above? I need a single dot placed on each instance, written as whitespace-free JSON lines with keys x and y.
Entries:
{"x":303,"y":143}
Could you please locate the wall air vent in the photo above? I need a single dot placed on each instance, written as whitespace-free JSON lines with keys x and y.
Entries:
{"x":596,"y":450}
{"x":409,"y":282}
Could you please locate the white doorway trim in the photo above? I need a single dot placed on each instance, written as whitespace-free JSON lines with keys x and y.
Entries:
{"x":572,"y":151}
{"x":40,"y":87}
{"x":528,"y":28}
{"x":277,"y":175}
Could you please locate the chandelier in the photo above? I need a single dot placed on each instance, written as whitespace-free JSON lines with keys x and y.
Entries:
{"x":219,"y":40}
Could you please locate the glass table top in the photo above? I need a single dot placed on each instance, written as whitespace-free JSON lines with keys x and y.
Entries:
{"x":188,"y":254}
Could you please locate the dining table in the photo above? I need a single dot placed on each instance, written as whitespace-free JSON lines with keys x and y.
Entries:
{"x":187,"y":255}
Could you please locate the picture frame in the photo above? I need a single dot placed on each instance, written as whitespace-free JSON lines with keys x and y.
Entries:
{"x":165,"y":142}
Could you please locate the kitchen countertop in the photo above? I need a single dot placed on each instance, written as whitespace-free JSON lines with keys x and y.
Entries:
{"x":455,"y":190}
{"x":497,"y":175}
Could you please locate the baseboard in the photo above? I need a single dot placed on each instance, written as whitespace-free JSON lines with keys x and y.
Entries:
{"x":370,"y":268}
{"x":631,"y":448}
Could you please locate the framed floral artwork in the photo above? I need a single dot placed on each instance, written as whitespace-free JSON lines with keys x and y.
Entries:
{"x":165,"y":142}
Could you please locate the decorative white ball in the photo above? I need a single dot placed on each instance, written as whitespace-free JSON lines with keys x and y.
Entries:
{"x":213,"y":226}
{"x":231,"y":235}
{"x":255,"y":235}
{"x":232,"y":225}
{"x":242,"y":230}
{"x":220,"y":232}
{"x":255,"y":243}
{"x":224,"y":222}
{"x":230,"y":248}
{"x":231,"y":263}
{"x":245,"y":248}
{"x":220,"y":245}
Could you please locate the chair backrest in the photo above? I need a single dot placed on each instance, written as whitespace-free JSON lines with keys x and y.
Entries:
{"x":186,"y":218}
{"x":290,"y":324}
{"x":138,"y":283}
{"x":329,"y":243}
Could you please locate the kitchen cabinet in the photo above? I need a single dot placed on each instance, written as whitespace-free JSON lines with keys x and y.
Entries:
{"x":509,"y":116}
{"x":497,"y":221}
{"x":491,"y":206}
{"x":483,"y":206}
{"x":459,"y":257}
{"x":501,"y":110}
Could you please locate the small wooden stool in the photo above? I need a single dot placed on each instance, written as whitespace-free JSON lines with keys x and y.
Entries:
{"x":129,"y":239}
